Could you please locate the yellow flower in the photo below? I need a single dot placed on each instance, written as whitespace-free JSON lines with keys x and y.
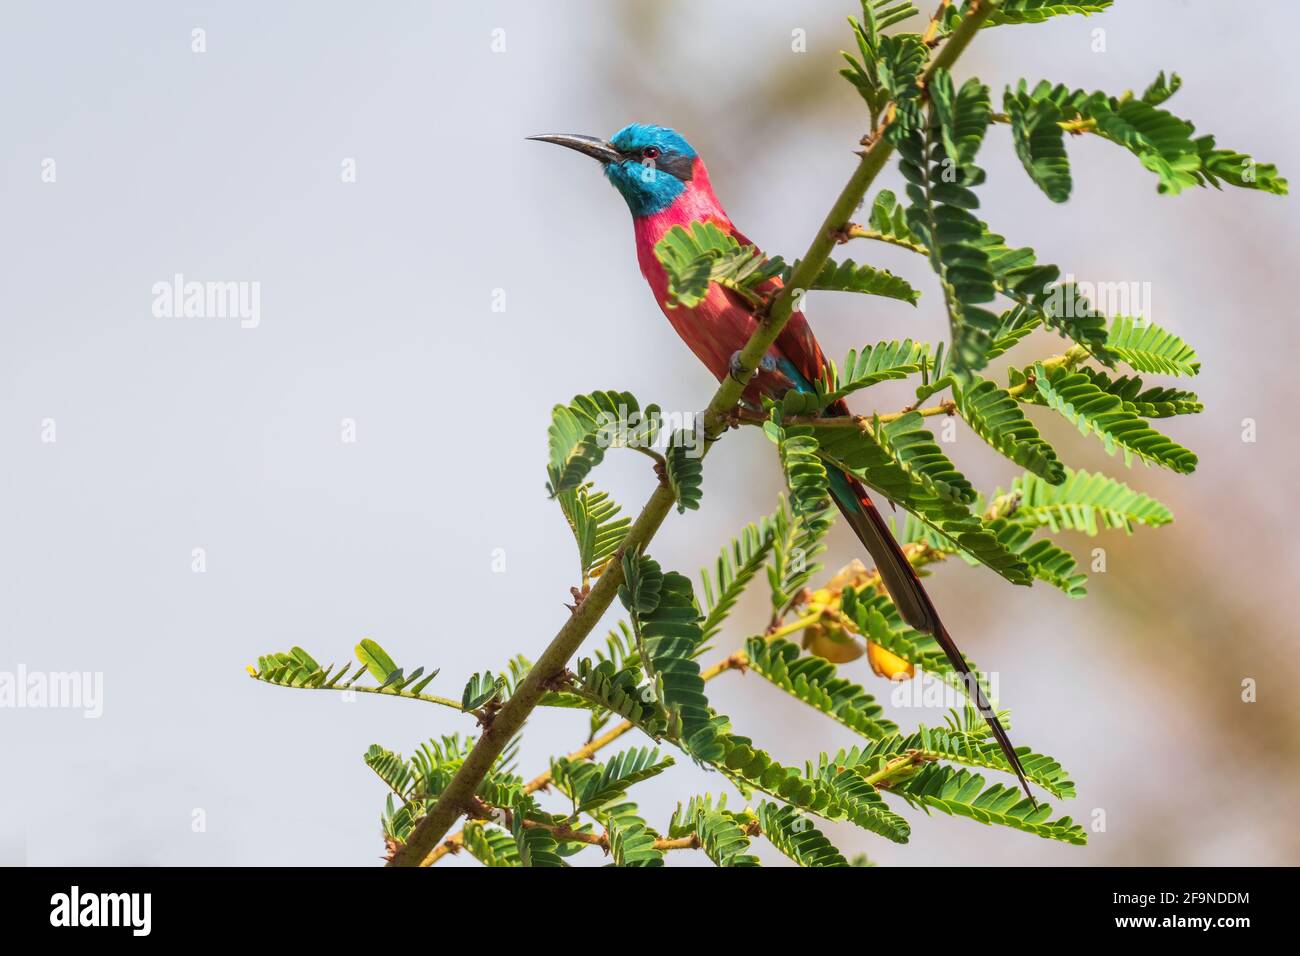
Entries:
{"x":830,"y":640}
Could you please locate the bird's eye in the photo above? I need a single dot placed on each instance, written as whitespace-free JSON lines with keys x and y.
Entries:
{"x":650,"y":152}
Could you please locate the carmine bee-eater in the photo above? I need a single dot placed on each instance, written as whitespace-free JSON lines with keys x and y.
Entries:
{"x":665,"y":184}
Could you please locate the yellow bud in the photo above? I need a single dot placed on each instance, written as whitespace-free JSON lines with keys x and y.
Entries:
{"x":887,"y":664}
{"x":831,"y":643}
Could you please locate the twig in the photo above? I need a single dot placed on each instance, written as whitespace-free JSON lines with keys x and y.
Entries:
{"x":895,"y":767}
{"x":854,"y":231}
{"x":1075,"y":127}
{"x":931,"y":35}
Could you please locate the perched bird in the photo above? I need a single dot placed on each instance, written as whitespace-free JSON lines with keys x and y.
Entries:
{"x":665,"y":184}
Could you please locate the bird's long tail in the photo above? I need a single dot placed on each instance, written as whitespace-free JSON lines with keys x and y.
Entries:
{"x":910,"y":597}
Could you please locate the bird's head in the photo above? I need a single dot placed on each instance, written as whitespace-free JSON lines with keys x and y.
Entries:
{"x":650,"y":165}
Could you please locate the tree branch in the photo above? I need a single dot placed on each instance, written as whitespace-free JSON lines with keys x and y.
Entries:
{"x":736,"y":661}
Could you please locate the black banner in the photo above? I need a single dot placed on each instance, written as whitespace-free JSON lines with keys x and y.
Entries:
{"x":335,"y":905}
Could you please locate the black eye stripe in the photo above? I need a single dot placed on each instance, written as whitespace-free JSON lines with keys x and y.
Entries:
{"x":683,"y":167}
{"x":675,"y":164}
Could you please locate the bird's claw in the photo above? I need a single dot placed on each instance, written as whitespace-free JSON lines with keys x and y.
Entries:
{"x":737,"y":370}
{"x":735,"y":367}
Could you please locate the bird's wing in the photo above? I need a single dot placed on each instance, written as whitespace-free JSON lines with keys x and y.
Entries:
{"x":797,"y":341}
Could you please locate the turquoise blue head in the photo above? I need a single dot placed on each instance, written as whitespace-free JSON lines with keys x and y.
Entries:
{"x":650,"y":165}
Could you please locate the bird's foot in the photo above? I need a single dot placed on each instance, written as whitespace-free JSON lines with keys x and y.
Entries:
{"x":737,"y":370}
{"x":735,"y":367}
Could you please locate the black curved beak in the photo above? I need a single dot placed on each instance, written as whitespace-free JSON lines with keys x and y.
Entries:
{"x":597,"y":149}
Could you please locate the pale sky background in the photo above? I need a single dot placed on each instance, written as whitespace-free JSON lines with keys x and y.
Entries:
{"x":176,"y":434}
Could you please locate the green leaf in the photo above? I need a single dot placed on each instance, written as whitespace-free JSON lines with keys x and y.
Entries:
{"x":723,"y":840}
{"x":631,"y":842}
{"x":1013,"y":325}
{"x":1236,"y":169}
{"x":591,"y":786}
{"x":377,"y":662}
{"x":874,"y":364}
{"x":1081,"y":402}
{"x":916,"y":452}
{"x":962,"y":793}
{"x":887,"y":13}
{"x":1026,"y":11}
{"x":1085,"y":502}
{"x":964,"y":115}
{"x":1034,"y":286}
{"x":805,"y":474}
{"x":870,"y":456}
{"x":688,"y":258}
{"x":795,"y":546}
{"x":861,"y":804}
{"x":433,"y":765}
{"x":703,"y":254}
{"x":1161,"y":88}
{"x":1159,"y":139}
{"x":813,"y":680}
{"x":736,"y":566}
{"x":848,"y":276}
{"x":480,"y":689}
{"x":490,"y":845}
{"x":1041,"y":559}
{"x":536,"y":846}
{"x":298,"y":669}
{"x":830,"y":795}
{"x":397,"y":822}
{"x":1154,"y":402}
{"x":671,"y":634}
{"x":618,"y":690}
{"x":887,"y":66}
{"x":902,"y":461}
{"x":995,"y":416}
{"x":1039,"y":141}
{"x":583,"y":430}
{"x":1148,"y":348}
{"x":969,"y":749}
{"x":795,"y":836}
{"x":1047,"y":562}
{"x":390,"y":768}
{"x":889,"y":221}
{"x":939,"y":217}
{"x":642,"y":583}
{"x":1164,"y":143}
{"x":721,"y":834}
{"x":597,"y":527}
{"x":685,"y":462}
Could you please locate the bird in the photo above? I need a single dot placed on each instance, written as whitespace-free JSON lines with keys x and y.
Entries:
{"x":666,"y":184}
